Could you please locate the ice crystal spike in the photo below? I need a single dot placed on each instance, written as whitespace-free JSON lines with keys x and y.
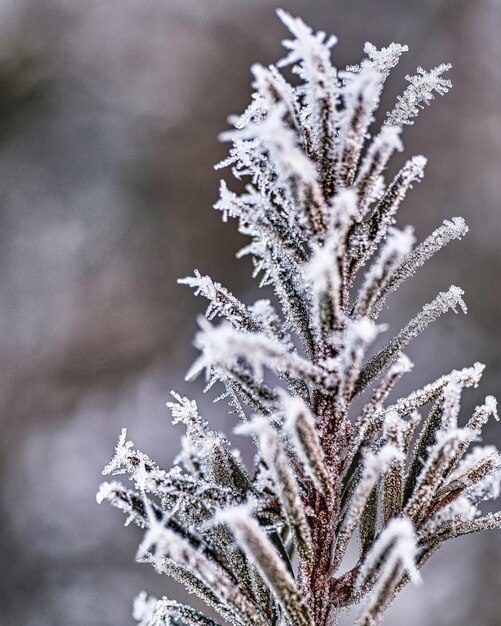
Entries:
{"x":266,"y":545}
{"x":419,"y":93}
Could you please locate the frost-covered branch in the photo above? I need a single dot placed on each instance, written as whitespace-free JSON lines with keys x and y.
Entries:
{"x":263,"y":543}
{"x":445,"y":300}
{"x":260,"y":550}
{"x":418,"y":93}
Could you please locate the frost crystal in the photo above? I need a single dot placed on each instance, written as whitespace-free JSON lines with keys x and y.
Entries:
{"x":265,"y":545}
{"x":419,"y":93}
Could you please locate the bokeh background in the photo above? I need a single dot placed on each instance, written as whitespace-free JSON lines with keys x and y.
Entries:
{"x":109,"y":113}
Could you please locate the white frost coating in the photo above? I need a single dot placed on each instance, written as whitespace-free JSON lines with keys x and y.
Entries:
{"x":375,"y":194}
{"x":316,"y":208}
{"x":418,"y":163}
{"x":430,"y":312}
{"x":221,"y":301}
{"x":309,"y":54}
{"x":362,"y":331}
{"x":488,"y":488}
{"x":169,"y":612}
{"x":143,"y":609}
{"x":402,"y":365}
{"x":284,"y":481}
{"x":326,"y":258}
{"x":467,"y":377}
{"x":160,"y":542}
{"x":256,"y":545}
{"x":383,"y":60}
{"x":185,"y":411}
{"x":257,"y":426}
{"x":274,"y":88}
{"x":369,"y":181}
{"x":281,"y":142}
{"x":452,"y":435}
{"x":222,"y":346}
{"x":229,"y":203}
{"x":374,"y":466}
{"x":245,"y":160}
{"x":362,"y":86}
{"x":293,"y":406}
{"x":431,"y":477}
{"x":309,"y":48}
{"x":491,"y":405}
{"x":478,"y":475}
{"x":457,"y":512}
{"x":358,"y":336}
{"x":257,"y":110}
{"x":419,"y":93}
{"x":322,"y":271}
{"x":324,"y":276}
{"x":361,"y":96}
{"x":399,"y":241}
{"x":302,"y":431}
{"x":482,"y":413}
{"x":451,"y":404}
{"x":476,"y":456}
{"x":397,"y":245}
{"x":122,"y":451}
{"x":392,"y":423}
{"x":450,"y":299}
{"x":400,"y":559}
{"x":105,"y":491}
{"x":205,"y":452}
{"x":389,"y":139}
{"x":460,"y":509}
{"x":367,"y":235}
{"x":398,"y":544}
{"x":344,"y":208}
{"x":453,"y":229}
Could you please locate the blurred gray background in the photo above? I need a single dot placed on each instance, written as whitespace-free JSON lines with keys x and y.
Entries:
{"x":109,"y":113}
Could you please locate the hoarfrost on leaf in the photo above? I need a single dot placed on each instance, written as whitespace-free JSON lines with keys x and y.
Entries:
{"x":419,"y":93}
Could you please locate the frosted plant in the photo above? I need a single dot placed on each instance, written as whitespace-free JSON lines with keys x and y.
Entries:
{"x":267,"y":545}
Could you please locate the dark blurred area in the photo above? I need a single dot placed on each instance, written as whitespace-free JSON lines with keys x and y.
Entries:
{"x":109,"y":114}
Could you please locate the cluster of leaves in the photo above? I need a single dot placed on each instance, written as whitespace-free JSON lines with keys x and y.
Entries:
{"x":267,"y":546}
